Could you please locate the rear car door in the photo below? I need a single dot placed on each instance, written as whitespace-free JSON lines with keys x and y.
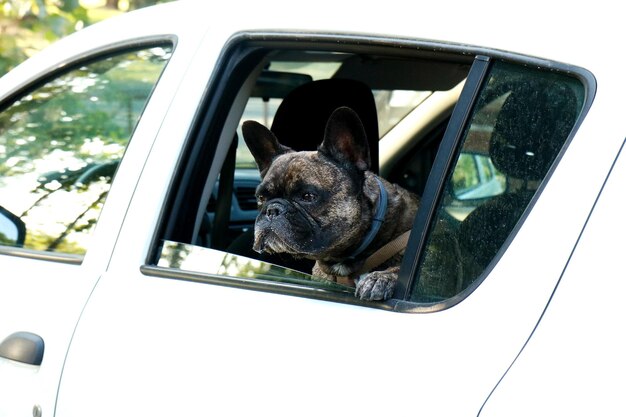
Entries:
{"x":200,"y":330}
{"x":560,"y":372}
{"x":71,"y":120}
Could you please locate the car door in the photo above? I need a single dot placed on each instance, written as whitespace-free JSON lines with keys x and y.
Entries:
{"x":574,"y":364}
{"x":68,"y":119}
{"x":176,"y":328}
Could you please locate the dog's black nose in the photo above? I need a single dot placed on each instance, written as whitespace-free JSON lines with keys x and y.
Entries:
{"x":274,"y":209}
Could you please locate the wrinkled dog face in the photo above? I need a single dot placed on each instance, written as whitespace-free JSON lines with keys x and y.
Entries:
{"x":310,"y":202}
{"x":306,"y":206}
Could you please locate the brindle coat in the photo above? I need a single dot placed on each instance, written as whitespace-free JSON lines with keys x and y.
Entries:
{"x":320,"y":204}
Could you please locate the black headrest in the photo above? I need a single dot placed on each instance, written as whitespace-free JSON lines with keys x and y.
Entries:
{"x":531,"y":128}
{"x":301,"y":118}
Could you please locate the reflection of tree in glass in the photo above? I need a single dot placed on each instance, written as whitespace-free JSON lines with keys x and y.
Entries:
{"x":61,"y":144}
{"x":465,"y":174}
{"x":242,"y":267}
{"x":30,"y":25}
{"x":175,"y":254}
{"x":239,"y":266}
{"x":4,"y":240}
{"x":88,"y":107}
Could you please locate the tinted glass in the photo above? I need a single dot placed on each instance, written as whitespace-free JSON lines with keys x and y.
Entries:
{"x":519,"y":125}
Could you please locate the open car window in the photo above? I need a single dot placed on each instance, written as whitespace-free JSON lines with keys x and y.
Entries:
{"x":515,"y":123}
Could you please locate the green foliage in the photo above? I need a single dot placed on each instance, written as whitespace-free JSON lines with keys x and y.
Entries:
{"x":4,"y":240}
{"x":465,"y":174}
{"x":60,"y":145}
{"x":27,"y":26}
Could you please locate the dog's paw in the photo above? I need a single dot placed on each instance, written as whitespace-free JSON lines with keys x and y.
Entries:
{"x":377,"y":285}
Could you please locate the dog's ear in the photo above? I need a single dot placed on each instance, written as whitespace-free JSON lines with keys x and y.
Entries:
{"x":345,"y":139}
{"x":262,"y":144}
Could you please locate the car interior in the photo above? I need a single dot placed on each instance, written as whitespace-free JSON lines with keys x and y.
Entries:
{"x":404,"y":103}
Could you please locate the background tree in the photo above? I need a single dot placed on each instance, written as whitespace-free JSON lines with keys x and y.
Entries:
{"x":27,"y":26}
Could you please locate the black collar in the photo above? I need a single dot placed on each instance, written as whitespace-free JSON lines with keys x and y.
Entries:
{"x":379,"y":218}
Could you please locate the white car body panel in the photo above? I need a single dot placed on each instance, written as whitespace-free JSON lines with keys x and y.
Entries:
{"x":573,"y":364}
{"x":51,"y":307}
{"x":153,"y":346}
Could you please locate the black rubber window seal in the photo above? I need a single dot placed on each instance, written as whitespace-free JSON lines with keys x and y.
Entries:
{"x":438,"y":175}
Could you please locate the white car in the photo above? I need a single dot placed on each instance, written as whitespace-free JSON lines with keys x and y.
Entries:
{"x":127,"y":200}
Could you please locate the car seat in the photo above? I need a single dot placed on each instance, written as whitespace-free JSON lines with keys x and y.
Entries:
{"x":300,"y":120}
{"x":528,"y":134}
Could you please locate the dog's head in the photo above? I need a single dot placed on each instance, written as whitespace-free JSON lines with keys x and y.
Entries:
{"x":311,"y":203}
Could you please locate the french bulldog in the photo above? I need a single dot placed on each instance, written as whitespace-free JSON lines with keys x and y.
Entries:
{"x":327,"y":205}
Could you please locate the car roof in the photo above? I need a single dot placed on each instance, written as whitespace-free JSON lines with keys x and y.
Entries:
{"x":559,"y":30}
{"x":555,"y":31}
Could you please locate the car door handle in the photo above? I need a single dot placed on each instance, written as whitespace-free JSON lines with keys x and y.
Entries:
{"x":23,"y":347}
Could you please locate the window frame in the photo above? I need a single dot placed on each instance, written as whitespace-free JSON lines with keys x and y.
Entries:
{"x":60,"y":69}
{"x":417,"y":244}
{"x":238,"y":58}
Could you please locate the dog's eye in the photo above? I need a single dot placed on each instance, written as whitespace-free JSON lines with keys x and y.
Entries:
{"x":308,"y":197}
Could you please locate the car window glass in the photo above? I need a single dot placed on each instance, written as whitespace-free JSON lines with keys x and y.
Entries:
{"x":519,"y":125}
{"x":214,"y":262}
{"x":61,"y":143}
